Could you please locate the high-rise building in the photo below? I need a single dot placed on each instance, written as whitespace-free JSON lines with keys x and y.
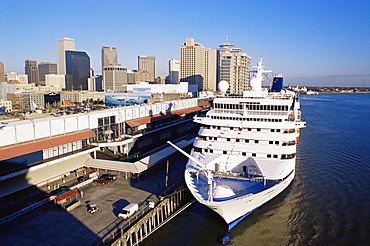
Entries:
{"x":6,"y":88}
{"x":55,"y":80}
{"x":2,"y":73}
{"x":64,"y":44}
{"x":147,"y":63}
{"x":109,"y":56}
{"x":174,"y":71}
{"x":233,"y":66}
{"x":115,"y":78}
{"x":143,"y":76}
{"x":31,"y":70}
{"x":130,"y":77}
{"x":198,"y":65}
{"x":13,"y":77}
{"x":77,"y":70}
{"x":46,"y":68}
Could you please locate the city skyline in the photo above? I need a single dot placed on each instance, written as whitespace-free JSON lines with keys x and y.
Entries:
{"x":311,"y":43}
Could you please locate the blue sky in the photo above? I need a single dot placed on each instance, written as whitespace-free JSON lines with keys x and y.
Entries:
{"x":311,"y":42}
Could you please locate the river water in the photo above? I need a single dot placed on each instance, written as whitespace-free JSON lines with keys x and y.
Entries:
{"x":328,"y":203}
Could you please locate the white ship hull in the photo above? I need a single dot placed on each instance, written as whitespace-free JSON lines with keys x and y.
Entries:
{"x":236,"y":209}
{"x":245,"y":151}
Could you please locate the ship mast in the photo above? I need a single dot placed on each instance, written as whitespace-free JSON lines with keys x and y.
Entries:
{"x":256,"y":81}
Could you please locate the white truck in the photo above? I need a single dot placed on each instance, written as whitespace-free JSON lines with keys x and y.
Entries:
{"x":128,"y":210}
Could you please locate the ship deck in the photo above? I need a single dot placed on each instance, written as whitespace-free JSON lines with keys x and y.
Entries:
{"x":241,"y":186}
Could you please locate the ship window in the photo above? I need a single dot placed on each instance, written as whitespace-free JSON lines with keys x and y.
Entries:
{"x":254,"y":154}
{"x":272,"y":130}
{"x":228,"y":139}
{"x":268,"y":155}
{"x":249,"y":129}
{"x":244,"y":154}
{"x":277,"y":130}
{"x":247,"y":140}
{"x":211,"y":151}
{"x":277,"y":142}
{"x":237,"y":140}
{"x":255,"y":141}
{"x":224,"y":152}
{"x":275,"y":156}
{"x":271,"y":142}
{"x":205,"y":150}
{"x":197,"y":149}
{"x":231,"y":128}
{"x":218,"y":128}
{"x":214,"y":138}
{"x":258,"y":129}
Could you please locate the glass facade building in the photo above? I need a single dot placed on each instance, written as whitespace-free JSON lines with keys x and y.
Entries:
{"x":77,"y":70}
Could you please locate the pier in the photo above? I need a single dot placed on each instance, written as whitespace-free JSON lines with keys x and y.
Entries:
{"x":133,"y":231}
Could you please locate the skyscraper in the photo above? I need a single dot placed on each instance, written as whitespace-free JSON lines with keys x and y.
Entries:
{"x":2,"y":73}
{"x":115,"y":78}
{"x":46,"y":68}
{"x":198,"y":65}
{"x":233,"y":66}
{"x":31,"y":71}
{"x":147,"y":63}
{"x":63,"y":45}
{"x":77,"y":70}
{"x":174,"y":71}
{"x":109,"y":56}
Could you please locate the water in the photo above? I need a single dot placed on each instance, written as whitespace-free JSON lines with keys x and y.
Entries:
{"x":328,"y":203}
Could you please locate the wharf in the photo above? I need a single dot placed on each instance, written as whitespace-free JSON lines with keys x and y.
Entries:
{"x":52,"y":225}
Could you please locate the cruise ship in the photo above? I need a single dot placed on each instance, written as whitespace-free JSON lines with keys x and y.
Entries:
{"x":245,"y":151}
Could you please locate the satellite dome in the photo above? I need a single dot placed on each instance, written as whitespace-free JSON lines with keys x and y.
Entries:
{"x":223,"y":86}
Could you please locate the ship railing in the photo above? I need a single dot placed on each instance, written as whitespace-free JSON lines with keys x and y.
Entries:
{"x":281,"y":97}
{"x":237,"y":176}
{"x":250,"y":112}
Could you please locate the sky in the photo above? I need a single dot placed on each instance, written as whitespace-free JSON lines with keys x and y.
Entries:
{"x":312,"y":42}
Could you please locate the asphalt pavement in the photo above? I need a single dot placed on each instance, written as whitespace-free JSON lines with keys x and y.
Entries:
{"x":52,"y":225}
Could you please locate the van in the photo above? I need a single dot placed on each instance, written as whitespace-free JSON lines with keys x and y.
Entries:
{"x":128,"y":210}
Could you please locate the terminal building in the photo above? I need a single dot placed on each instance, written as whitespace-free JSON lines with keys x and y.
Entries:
{"x":47,"y":151}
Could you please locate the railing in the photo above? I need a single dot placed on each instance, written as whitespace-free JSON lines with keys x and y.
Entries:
{"x":25,"y":210}
{"x":250,"y":112}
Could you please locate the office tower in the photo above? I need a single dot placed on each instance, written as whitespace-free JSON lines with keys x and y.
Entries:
{"x":31,"y":70}
{"x":115,"y":78}
{"x":143,"y":76}
{"x":46,"y":68}
{"x":174,"y":71}
{"x":233,"y":66}
{"x":77,"y":70}
{"x":13,"y":77}
{"x":6,"y":88}
{"x":55,"y":80}
{"x":2,"y":73}
{"x":147,"y":63}
{"x":198,"y":65}
{"x":96,"y":83}
{"x":109,"y":56}
{"x":130,"y":77}
{"x":64,"y":44}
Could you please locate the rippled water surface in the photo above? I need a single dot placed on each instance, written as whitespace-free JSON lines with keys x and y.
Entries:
{"x":328,"y":203}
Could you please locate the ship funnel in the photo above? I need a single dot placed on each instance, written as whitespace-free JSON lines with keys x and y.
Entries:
{"x":277,"y":83}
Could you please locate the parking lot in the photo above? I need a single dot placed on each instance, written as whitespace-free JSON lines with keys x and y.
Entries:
{"x":51,"y":225}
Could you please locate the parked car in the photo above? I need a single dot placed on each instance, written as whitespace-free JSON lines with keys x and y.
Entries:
{"x":82,"y":178}
{"x":102,"y":181}
{"x":92,"y":208}
{"x":107,"y":176}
